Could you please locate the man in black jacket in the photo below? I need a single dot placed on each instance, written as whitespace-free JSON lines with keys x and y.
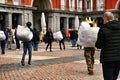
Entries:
{"x":109,"y":42}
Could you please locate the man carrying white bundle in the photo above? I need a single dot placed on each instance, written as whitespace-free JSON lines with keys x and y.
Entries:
{"x":89,"y":56}
{"x":87,"y":35}
{"x":27,"y":45}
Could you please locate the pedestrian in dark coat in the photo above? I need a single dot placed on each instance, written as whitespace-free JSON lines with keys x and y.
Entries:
{"x":36,"y":39}
{"x":49,"y":38}
{"x":62,"y":42}
{"x":109,"y":42}
{"x":3,"y":42}
{"x":17,"y":40}
{"x":73,"y":38}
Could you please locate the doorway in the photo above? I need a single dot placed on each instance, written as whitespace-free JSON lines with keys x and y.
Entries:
{"x":15,"y":20}
{"x":2,"y":20}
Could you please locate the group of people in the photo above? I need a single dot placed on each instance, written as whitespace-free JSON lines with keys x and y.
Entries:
{"x":35,"y":41}
{"x":9,"y":40}
{"x":108,"y":41}
{"x":49,"y":39}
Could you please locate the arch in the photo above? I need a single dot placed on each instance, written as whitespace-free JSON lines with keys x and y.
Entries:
{"x":117,"y":5}
{"x":42,"y":4}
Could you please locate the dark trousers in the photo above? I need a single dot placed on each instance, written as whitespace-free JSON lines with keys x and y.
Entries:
{"x":17,"y":44}
{"x":62,"y":43}
{"x":3,"y":46}
{"x":35,"y":45}
{"x":111,"y":70}
{"x":49,"y":44}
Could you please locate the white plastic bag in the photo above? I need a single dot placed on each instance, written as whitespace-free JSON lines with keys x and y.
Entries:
{"x":58,"y":36}
{"x":2,"y":36}
{"x":23,"y":33}
{"x":87,"y":35}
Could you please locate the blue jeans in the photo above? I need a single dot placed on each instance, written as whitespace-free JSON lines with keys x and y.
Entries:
{"x":111,"y":70}
{"x":35,"y":45}
{"x":3,"y":46}
{"x":73,"y":41}
{"x":27,"y":46}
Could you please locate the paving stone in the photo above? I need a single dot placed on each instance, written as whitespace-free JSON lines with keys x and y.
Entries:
{"x":57,"y":65}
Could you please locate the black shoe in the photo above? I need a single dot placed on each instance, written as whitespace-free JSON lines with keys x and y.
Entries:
{"x":29,"y":63}
{"x":22,"y":63}
{"x":50,"y":50}
{"x":3,"y":53}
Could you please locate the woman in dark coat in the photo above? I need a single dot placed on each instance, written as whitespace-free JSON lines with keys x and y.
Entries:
{"x":49,"y":38}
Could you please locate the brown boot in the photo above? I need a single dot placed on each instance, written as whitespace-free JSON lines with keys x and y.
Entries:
{"x":91,"y":72}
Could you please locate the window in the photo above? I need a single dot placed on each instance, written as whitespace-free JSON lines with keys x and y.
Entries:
{"x":63,"y":4}
{"x":79,"y":5}
{"x":2,"y":1}
{"x":16,"y":2}
{"x":100,"y":4}
{"x":71,"y":4}
{"x":89,"y":5}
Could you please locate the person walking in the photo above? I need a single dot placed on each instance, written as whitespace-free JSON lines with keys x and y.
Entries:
{"x":109,"y":42}
{"x":3,"y":42}
{"x":10,"y":38}
{"x":73,"y":37}
{"x":36,"y":39}
{"x":27,"y":46}
{"x":49,"y":38}
{"x":62,"y":42}
{"x":17,"y":40}
{"x":89,"y":56}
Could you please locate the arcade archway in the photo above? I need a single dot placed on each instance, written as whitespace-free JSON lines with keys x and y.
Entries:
{"x":42,"y":6}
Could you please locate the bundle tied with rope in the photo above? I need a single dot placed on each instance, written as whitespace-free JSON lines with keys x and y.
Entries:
{"x":87,"y":33}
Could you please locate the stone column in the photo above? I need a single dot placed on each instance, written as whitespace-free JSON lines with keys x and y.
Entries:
{"x":67,"y":23}
{"x":30,"y":18}
{"x":8,"y":20}
{"x":23,"y":19}
{"x":50,"y":20}
{"x":54,"y":22}
{"x":57,"y":23}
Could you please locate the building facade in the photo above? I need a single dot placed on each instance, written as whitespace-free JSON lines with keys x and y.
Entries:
{"x":15,"y":12}
{"x":60,"y":14}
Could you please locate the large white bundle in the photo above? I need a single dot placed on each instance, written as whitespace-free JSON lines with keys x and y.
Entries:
{"x":2,"y":36}
{"x":87,"y":35}
{"x":24,"y":33}
{"x":58,"y":36}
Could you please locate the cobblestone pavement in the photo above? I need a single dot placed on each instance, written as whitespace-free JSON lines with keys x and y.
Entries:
{"x":56,"y":65}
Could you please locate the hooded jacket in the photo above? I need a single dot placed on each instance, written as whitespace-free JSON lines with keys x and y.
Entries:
{"x":109,"y":41}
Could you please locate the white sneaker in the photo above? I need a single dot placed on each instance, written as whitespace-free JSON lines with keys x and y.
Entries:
{"x":17,"y":49}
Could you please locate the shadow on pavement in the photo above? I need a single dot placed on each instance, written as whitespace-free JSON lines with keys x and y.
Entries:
{"x":17,"y":66}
